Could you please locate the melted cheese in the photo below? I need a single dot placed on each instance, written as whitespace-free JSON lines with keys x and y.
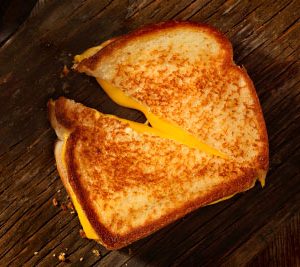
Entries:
{"x":86,"y":225}
{"x":91,"y":51}
{"x":160,"y":126}
{"x":262,"y":178}
{"x":88,"y":53}
{"x":221,"y":199}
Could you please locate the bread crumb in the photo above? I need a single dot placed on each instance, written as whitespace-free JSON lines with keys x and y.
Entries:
{"x":58,"y":191}
{"x":81,"y":259}
{"x":54,"y":255}
{"x":55,"y":202}
{"x":36,"y":252}
{"x":82,"y":233}
{"x":63,"y":207}
{"x":65,"y":87}
{"x":70,"y":205}
{"x":64,"y":72}
{"x":66,"y":249}
{"x":96,"y":252}
{"x":62,"y":256}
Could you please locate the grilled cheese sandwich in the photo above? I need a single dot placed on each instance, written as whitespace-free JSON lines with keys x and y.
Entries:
{"x":206,"y":140}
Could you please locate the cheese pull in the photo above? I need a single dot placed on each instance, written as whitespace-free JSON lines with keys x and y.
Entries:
{"x":160,"y":126}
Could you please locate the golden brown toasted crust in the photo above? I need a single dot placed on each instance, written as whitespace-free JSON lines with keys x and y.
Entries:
{"x":84,"y":130}
{"x":92,"y":62}
{"x":262,"y":159}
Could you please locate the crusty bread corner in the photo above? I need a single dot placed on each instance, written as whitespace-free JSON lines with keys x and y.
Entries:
{"x":89,"y":64}
{"x":60,"y":130}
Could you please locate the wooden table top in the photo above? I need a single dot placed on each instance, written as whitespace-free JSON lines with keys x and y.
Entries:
{"x":260,"y":227}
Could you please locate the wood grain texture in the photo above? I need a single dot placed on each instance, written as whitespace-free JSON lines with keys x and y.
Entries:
{"x":257,"y":228}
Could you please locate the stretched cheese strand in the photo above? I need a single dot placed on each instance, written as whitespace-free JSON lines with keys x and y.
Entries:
{"x":160,"y":126}
{"x":163,"y":128}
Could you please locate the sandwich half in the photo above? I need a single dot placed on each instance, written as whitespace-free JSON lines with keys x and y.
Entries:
{"x":117,"y":171}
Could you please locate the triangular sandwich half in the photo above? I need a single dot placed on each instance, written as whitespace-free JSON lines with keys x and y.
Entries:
{"x":127,"y":181}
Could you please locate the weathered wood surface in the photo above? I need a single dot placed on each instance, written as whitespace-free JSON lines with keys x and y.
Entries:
{"x":259,"y":227}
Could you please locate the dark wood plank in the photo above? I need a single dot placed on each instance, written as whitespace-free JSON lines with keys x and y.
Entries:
{"x":284,"y":249}
{"x":12,"y":15}
{"x":249,"y":229}
{"x":242,"y":228}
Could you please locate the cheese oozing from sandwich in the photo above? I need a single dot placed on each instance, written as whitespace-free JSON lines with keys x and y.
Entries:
{"x":86,"y":225}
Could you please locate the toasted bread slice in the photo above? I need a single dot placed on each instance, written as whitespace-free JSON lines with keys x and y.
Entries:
{"x":118,"y":176}
{"x":184,"y":73}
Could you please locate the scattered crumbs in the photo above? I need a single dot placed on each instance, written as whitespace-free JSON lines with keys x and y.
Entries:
{"x":64,"y":207}
{"x":66,"y":87}
{"x":72,"y":212}
{"x":58,"y":191}
{"x":55,"y":202}
{"x":64,"y":72}
{"x":70,"y":205}
{"x":62,"y":256}
{"x":54,"y":255}
{"x":5,"y":78}
{"x":125,"y":264}
{"x":36,"y":252}
{"x":96,"y":252}
{"x":82,"y":233}
{"x":81,"y":259}
{"x":66,"y":249}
